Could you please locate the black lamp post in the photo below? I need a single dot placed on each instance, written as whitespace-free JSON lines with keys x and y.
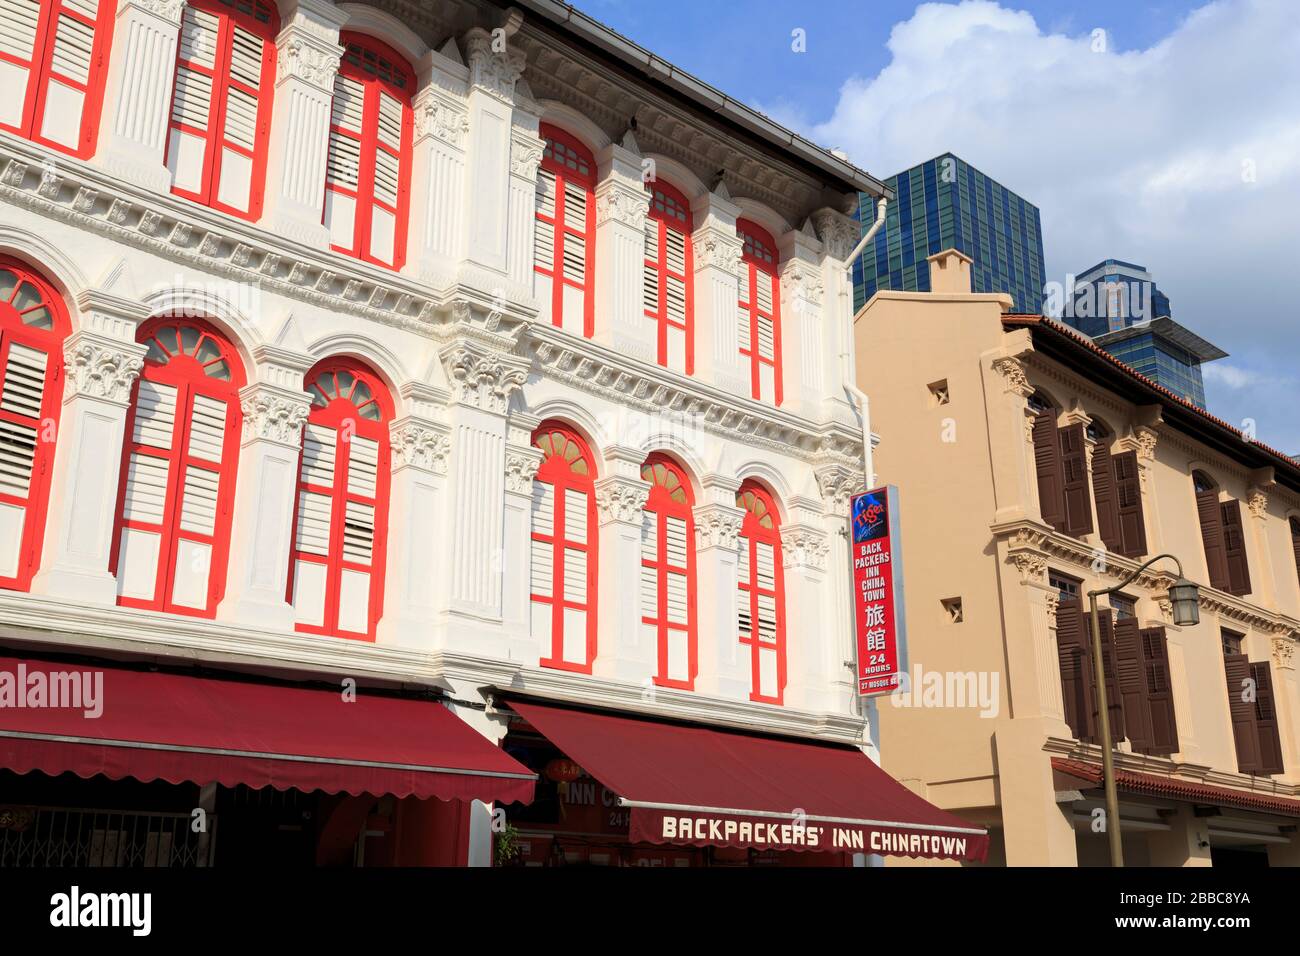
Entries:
{"x":1185,"y":597}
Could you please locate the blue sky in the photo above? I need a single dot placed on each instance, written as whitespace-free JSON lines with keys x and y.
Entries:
{"x":1176,"y":144}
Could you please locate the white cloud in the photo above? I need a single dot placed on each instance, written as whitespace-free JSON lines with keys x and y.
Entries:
{"x":1231,"y":376}
{"x":1184,"y":156}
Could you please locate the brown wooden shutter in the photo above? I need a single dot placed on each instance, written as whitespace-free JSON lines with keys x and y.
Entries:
{"x":1160,"y":694}
{"x":1103,"y":491}
{"x":1234,"y":547}
{"x":1128,"y":500}
{"x":1047,"y":462}
{"x":1244,"y":719}
{"x":1270,"y":743}
{"x":1072,"y":650}
{"x":1074,"y":483}
{"x":1131,"y":666}
{"x":1114,"y":696}
{"x":1216,"y":559}
{"x":1295,"y":544}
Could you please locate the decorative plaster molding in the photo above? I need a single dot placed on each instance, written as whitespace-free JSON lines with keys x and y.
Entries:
{"x":435,"y":116}
{"x":1147,"y":439}
{"x":804,"y":548}
{"x":1032,"y":567}
{"x":623,"y":203}
{"x":304,"y":57}
{"x":420,"y":446}
{"x":1053,"y":602}
{"x":714,"y":249}
{"x":1284,"y":653}
{"x":101,"y":369}
{"x":521,"y":469}
{"x":804,"y":279}
{"x":1015,"y":380}
{"x":272,"y":414}
{"x":718,"y":526}
{"x":483,"y":379}
{"x":1257,"y":502}
{"x":621,"y":500}
{"x":526,"y":155}
{"x":169,"y":10}
{"x":837,"y":484}
{"x":496,"y":73}
{"x":839,"y":233}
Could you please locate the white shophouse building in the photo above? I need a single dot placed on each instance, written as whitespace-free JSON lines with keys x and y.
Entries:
{"x":443,"y":345}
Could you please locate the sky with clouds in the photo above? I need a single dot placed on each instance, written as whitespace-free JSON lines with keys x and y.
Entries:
{"x":1172,"y":139}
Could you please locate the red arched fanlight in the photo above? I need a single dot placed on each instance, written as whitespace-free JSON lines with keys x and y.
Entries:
{"x":564,"y":549}
{"x":668,"y":604}
{"x":336,"y":569}
{"x":54,"y":60}
{"x":667,"y":279}
{"x":564,"y":250}
{"x":760,"y":311}
{"x":171,"y":540}
{"x":761,"y":613}
{"x":33,"y":325}
{"x":368,"y":171}
{"x":221,"y":103}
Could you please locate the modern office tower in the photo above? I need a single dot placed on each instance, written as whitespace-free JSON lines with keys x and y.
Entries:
{"x":945,"y":203}
{"x":1119,"y":305}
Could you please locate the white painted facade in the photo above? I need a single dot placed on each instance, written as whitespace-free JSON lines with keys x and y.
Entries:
{"x":463,"y":338}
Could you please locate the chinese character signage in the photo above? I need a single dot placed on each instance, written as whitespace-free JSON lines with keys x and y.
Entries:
{"x":878,"y":616}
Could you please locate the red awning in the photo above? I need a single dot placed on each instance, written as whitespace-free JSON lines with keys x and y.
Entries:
{"x":702,"y":786}
{"x":181,"y":728}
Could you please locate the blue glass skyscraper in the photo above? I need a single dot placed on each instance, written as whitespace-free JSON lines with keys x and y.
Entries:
{"x":946,"y":203}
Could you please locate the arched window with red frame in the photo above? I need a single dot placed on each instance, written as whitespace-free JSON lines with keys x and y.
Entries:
{"x":33,"y":325}
{"x":172,"y":535}
{"x":53,"y":58}
{"x":221,"y":103}
{"x":666,"y":280}
{"x":564,"y":248}
{"x":564,"y":549}
{"x":368,"y":171}
{"x":336,"y":570}
{"x":761,"y":604}
{"x":759,"y":311}
{"x":668,"y":616}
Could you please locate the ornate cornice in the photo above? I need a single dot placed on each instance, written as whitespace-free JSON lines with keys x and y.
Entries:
{"x":483,"y":379}
{"x":496,"y":73}
{"x":101,"y":368}
{"x":620,"y":499}
{"x":423,"y":446}
{"x":273,"y":414}
{"x":591,"y":367}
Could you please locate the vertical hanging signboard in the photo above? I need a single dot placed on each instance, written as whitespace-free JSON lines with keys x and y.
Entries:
{"x":879,"y":619}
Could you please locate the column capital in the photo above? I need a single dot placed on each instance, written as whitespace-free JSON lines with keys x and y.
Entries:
{"x":521,"y":469}
{"x":838,"y":233}
{"x":718,"y":526}
{"x":622,"y":201}
{"x":101,"y":367}
{"x":440,"y":115}
{"x":420,"y":444}
{"x":493,"y":71}
{"x":804,"y":548}
{"x":1015,"y":380}
{"x":717,"y":246}
{"x":1257,"y":502}
{"x":837,"y":483}
{"x":304,"y":54}
{"x":483,"y":379}
{"x":1284,"y":653}
{"x":168,"y":10}
{"x":273,"y":414}
{"x":620,"y":499}
{"x":526,"y":149}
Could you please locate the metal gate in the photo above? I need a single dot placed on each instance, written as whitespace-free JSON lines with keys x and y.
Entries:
{"x":68,"y":836}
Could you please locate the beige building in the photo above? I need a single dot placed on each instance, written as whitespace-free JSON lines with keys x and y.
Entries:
{"x":1033,"y":467}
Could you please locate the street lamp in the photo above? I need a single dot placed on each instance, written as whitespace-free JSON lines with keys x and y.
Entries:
{"x":1185,"y":597}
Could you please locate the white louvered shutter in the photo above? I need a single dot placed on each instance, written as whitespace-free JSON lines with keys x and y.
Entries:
{"x":145,"y":500}
{"x":649,"y":575}
{"x":542,"y":565}
{"x":24,"y":392}
{"x":650,"y":271}
{"x":241,"y":109}
{"x":675,"y":299}
{"x":383,"y":216}
{"x":575,"y":244}
{"x":198,"y":505}
{"x":18,"y":23}
{"x":315,"y":514}
{"x":767,"y":631}
{"x":343,"y":165}
{"x":744,"y":619}
{"x":576,"y":560}
{"x":70,"y":67}
{"x":192,"y":100}
{"x":544,"y":236}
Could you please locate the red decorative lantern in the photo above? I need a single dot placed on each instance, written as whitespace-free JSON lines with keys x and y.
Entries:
{"x":562,"y":770}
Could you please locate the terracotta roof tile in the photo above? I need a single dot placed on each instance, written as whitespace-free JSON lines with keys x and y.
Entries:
{"x":1187,"y":790}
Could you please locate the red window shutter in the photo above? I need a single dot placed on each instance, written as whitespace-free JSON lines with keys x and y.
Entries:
{"x":1270,"y":743}
{"x":1245,"y":730}
{"x":1133,"y":684}
{"x":1216,"y":558}
{"x":761,"y":601}
{"x":1073,"y":650}
{"x":668,"y":601}
{"x":1103,"y":490}
{"x":1114,"y":695}
{"x":1128,"y":503}
{"x":53,"y":55}
{"x":668,"y":277}
{"x":1160,"y":695}
{"x":1074,"y":481}
{"x":759,"y":312}
{"x":564,"y":250}
{"x":221,"y":104}
{"x":1047,"y":463}
{"x":1234,"y":547}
